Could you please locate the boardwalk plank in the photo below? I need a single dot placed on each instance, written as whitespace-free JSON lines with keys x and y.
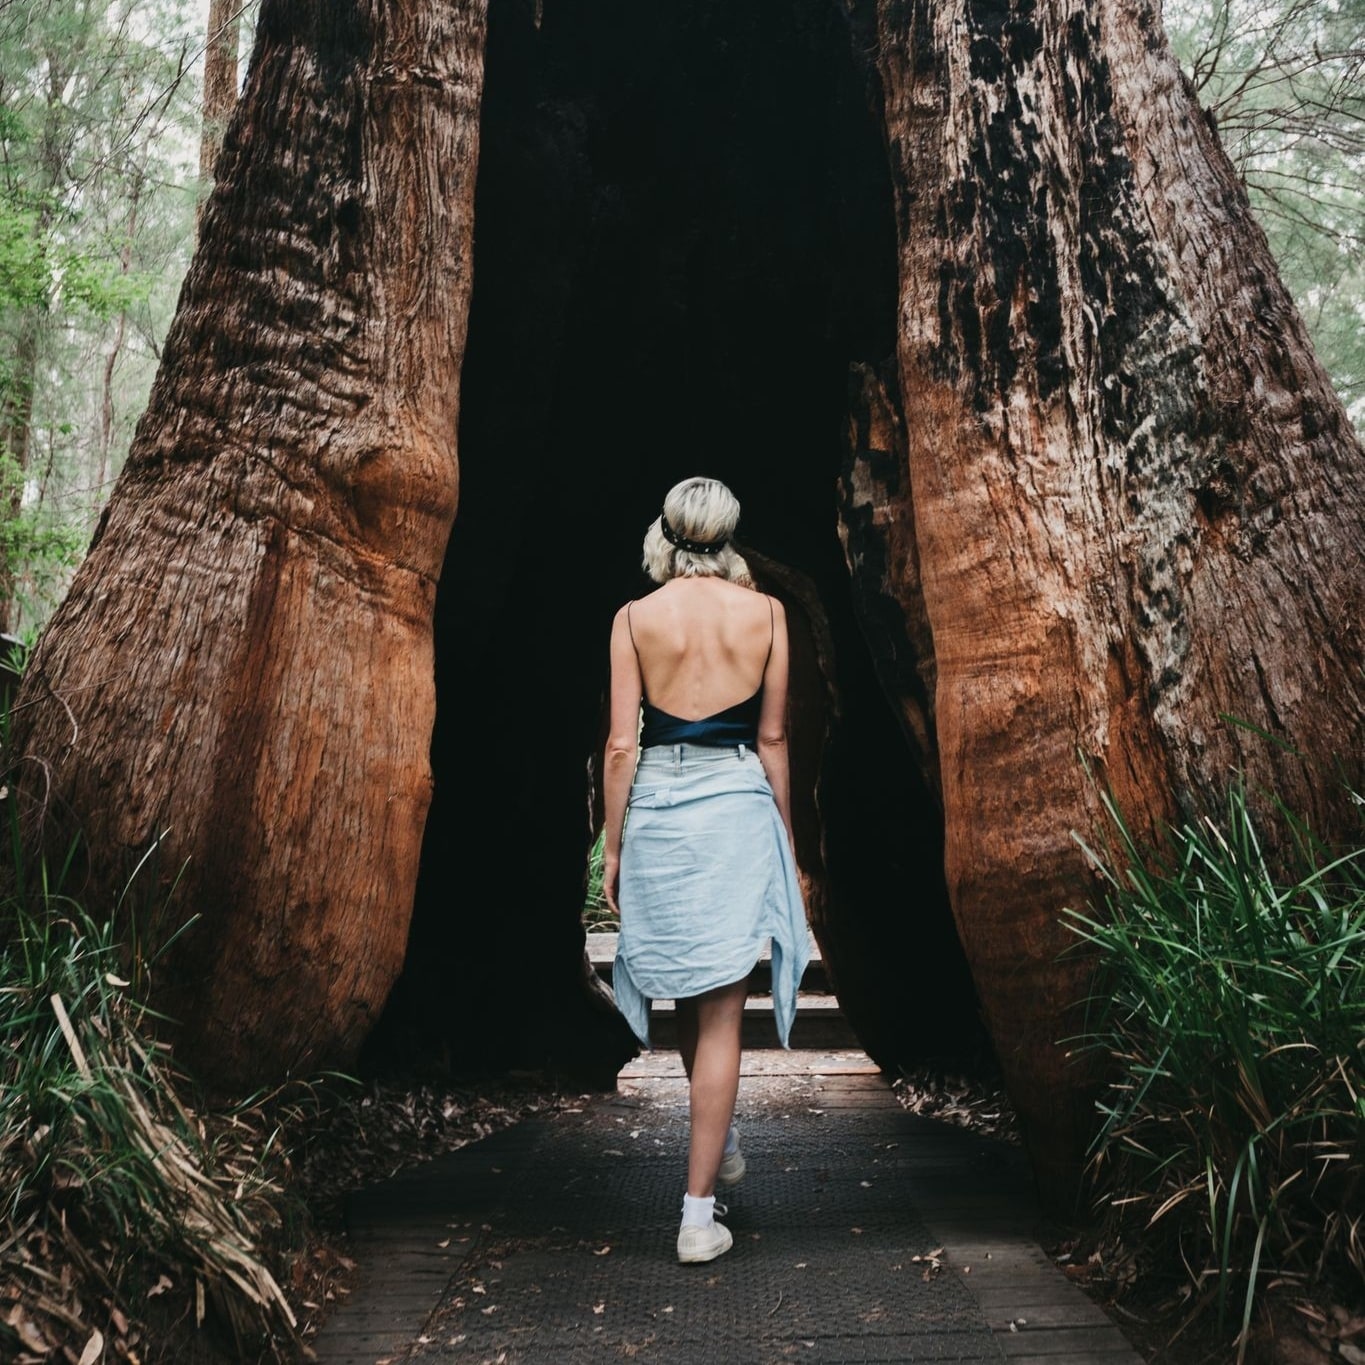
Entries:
{"x":825,"y":1225}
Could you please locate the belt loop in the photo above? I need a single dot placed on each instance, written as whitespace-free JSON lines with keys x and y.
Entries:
{"x":677,"y":758}
{"x":741,"y":753}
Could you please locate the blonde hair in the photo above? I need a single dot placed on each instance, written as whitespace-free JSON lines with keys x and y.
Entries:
{"x":705,"y":512}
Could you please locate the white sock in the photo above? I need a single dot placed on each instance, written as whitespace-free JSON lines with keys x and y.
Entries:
{"x":731,"y":1141}
{"x":698,"y":1213}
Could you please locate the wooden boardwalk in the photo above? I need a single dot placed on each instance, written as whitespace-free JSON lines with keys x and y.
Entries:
{"x":552,"y":1242}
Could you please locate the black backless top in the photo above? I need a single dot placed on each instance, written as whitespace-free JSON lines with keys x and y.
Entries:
{"x":737,"y":724}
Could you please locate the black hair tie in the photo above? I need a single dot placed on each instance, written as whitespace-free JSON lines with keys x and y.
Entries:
{"x":693,"y":547}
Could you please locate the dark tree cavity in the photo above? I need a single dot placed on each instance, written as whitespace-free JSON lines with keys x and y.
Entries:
{"x":684,"y":238}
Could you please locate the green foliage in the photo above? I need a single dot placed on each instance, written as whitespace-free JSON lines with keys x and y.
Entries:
{"x":99,"y":127}
{"x":1231,"y":1003}
{"x":24,"y":278}
{"x":110,"y":1179}
{"x":116,"y":1187}
{"x":37,"y":547}
{"x":597,"y":914}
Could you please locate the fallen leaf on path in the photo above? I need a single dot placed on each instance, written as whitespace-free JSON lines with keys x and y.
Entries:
{"x":27,"y":1332}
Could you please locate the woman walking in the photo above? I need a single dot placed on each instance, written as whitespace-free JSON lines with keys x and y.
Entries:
{"x":698,"y":852}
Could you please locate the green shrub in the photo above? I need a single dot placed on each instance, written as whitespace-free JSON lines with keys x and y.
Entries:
{"x":597,"y":914}
{"x":1231,"y":1003}
{"x":113,"y":1186}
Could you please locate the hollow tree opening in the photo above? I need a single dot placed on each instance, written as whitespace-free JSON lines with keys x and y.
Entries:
{"x":684,"y":237}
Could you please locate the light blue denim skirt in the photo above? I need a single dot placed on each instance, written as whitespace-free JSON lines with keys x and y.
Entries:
{"x":707,"y":878}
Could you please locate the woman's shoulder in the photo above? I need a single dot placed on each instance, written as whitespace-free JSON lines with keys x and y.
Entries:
{"x":633,"y":611}
{"x":636,"y":604}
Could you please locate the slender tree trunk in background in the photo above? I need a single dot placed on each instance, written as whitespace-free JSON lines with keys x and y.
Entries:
{"x":1137,"y":501}
{"x":16,"y":419}
{"x":116,"y":348}
{"x":16,"y":438}
{"x":220,"y":81}
{"x":243,"y":664}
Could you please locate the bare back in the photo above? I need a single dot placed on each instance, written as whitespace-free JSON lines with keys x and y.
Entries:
{"x":703,"y":644}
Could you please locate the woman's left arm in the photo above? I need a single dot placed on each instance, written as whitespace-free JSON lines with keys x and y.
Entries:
{"x":622,"y":749}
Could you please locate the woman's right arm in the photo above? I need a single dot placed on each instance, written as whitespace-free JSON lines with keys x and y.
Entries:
{"x":772,"y":721}
{"x":622,"y":742}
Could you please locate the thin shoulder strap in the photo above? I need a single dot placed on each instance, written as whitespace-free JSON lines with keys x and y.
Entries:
{"x":772,"y":634}
{"x":631,"y":629}
{"x":639,"y":662}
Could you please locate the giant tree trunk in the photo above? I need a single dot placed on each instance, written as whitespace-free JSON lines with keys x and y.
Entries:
{"x":1137,"y":502}
{"x":243,"y":666}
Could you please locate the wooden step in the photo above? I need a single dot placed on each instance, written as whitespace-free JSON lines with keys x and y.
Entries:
{"x":819,"y":1022}
{"x":601,"y":950}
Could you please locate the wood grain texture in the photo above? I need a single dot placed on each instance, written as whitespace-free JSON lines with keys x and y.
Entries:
{"x":1137,"y":502}
{"x":243,"y":667}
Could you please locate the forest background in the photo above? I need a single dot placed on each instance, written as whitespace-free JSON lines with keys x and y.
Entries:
{"x":106,"y":153}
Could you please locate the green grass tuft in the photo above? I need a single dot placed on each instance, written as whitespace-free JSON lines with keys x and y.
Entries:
{"x":116,"y":1188}
{"x":597,"y":915}
{"x":1230,"y":1003}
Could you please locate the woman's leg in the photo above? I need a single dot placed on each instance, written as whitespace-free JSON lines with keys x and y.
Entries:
{"x":714,"y":1076}
{"x":686,"y":1014}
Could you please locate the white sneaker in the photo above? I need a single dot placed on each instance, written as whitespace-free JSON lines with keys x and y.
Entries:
{"x":732,"y":1165}
{"x":704,"y":1244}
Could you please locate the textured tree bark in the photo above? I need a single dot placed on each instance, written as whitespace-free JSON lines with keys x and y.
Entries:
{"x":1137,"y":502}
{"x":243,"y":666}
